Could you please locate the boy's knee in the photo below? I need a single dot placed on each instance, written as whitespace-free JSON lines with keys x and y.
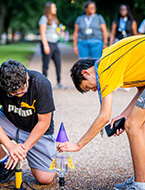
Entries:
{"x":127,"y":125}
{"x":131,"y":126}
{"x":43,"y":177}
{"x":45,"y":180}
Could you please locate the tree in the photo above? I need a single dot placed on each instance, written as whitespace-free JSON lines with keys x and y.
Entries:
{"x":67,"y":14}
{"x":139,"y":10}
{"x":19,"y":15}
{"x":2,"y":15}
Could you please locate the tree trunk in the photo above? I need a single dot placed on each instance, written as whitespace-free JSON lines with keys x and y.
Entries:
{"x":22,"y":35}
{"x":13,"y":31}
{"x":2,"y":16}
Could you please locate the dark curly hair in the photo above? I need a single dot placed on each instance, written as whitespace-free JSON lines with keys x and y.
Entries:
{"x":76,"y":70}
{"x":12,"y":76}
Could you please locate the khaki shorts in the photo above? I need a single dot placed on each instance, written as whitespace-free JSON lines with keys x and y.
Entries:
{"x":41,"y":154}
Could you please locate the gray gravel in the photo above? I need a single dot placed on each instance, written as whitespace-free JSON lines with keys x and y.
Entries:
{"x":104,"y":161}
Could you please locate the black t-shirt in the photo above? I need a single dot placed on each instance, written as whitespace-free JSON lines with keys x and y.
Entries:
{"x":22,"y":111}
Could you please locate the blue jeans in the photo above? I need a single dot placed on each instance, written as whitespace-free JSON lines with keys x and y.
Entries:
{"x":90,"y":48}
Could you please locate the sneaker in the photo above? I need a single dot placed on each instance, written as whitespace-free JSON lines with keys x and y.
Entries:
{"x":126,"y":184}
{"x":5,"y":175}
{"x":60,"y":86}
{"x":134,"y":186}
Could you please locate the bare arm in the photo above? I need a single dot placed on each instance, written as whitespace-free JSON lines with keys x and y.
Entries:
{"x":4,"y":139}
{"x":42,"y":30}
{"x":75,"y":43}
{"x":95,"y":128}
{"x":105,"y":35}
{"x":134,"y":28}
{"x":39,"y":130}
{"x":16,"y":151}
{"x":113,"y":33}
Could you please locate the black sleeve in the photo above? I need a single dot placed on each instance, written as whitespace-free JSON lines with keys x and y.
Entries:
{"x":0,"y":96}
{"x":44,"y":100}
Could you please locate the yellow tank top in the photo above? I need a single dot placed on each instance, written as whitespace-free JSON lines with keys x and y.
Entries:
{"x":123,"y":65}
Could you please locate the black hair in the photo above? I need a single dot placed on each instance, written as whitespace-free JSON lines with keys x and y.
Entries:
{"x":12,"y":76}
{"x":76,"y":71}
{"x":87,"y":3}
{"x":129,"y":14}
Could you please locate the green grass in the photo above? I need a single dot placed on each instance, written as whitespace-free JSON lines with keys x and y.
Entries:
{"x":69,"y":43}
{"x":19,"y":51}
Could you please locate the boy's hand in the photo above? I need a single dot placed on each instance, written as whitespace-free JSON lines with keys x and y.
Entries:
{"x":118,"y":132}
{"x":17,"y":153}
{"x":68,"y":147}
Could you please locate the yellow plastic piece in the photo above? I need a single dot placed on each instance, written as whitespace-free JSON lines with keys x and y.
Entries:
{"x":70,"y":163}
{"x":53,"y":164}
{"x":18,"y":178}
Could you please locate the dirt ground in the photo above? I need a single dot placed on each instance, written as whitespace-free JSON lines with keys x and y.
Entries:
{"x":104,"y":161}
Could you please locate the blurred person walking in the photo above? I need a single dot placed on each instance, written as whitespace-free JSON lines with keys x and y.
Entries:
{"x":124,"y":25}
{"x":90,"y":33}
{"x":49,"y":41}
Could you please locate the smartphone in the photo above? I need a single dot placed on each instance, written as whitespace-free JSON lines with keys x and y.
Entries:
{"x":119,"y":124}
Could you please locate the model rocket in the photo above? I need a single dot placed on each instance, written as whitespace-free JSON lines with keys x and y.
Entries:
{"x":62,"y":161}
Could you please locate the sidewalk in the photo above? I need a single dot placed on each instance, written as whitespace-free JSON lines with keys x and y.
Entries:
{"x":104,"y":161}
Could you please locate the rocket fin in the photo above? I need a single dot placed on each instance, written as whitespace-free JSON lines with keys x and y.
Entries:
{"x":53,"y":164}
{"x":70,"y":163}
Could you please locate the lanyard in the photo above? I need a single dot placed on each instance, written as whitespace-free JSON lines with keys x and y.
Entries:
{"x":99,"y":89}
{"x":123,"y":23}
{"x":98,"y":84}
{"x":88,"y":20}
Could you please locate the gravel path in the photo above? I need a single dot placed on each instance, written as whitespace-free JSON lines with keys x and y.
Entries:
{"x":104,"y":161}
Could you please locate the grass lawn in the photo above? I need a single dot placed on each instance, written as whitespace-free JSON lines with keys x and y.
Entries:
{"x":69,"y":43}
{"x":19,"y":51}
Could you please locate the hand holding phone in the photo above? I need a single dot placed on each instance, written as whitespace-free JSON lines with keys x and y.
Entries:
{"x":119,"y":124}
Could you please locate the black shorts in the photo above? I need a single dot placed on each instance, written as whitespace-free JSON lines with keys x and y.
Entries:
{"x":141,"y":100}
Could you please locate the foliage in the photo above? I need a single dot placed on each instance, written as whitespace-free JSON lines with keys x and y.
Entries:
{"x":24,"y":15}
{"x":68,"y":10}
{"x":139,"y":10}
{"x":67,"y":14}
